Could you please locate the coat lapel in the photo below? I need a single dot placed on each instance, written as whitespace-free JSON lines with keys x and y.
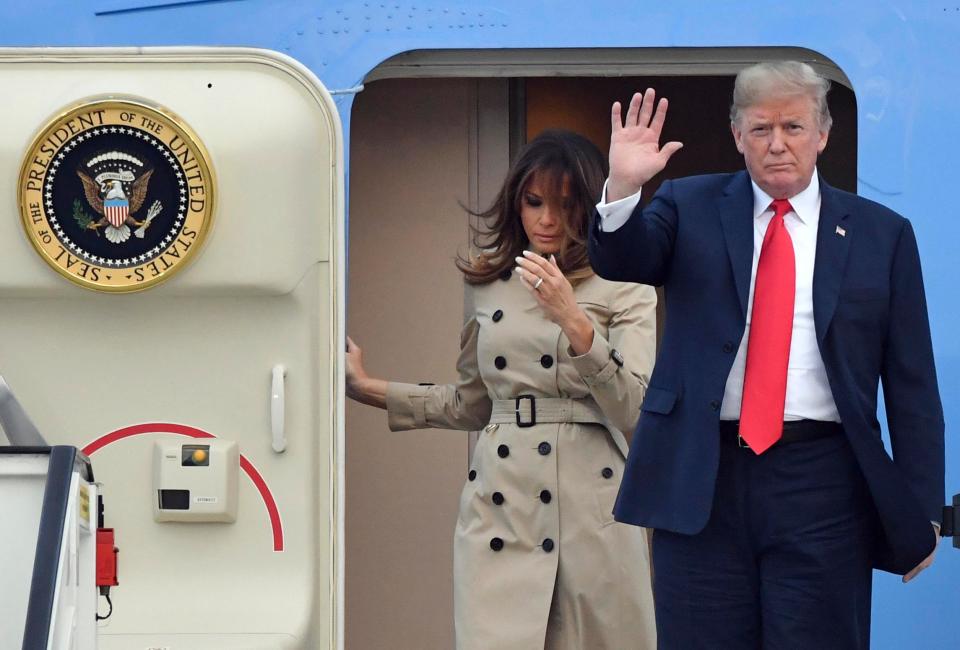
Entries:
{"x":833,"y":244}
{"x":736,"y":217}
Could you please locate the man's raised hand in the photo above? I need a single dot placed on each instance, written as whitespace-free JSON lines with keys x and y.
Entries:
{"x":635,"y":152}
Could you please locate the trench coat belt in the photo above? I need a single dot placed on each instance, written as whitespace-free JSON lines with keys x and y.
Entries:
{"x":526,"y":411}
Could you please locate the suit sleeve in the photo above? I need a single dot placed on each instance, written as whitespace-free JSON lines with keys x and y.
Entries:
{"x":914,"y":411}
{"x":641,"y":249}
{"x":463,"y":405}
{"x":632,"y":332}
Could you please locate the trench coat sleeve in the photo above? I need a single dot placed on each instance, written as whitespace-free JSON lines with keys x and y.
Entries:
{"x":632,"y":332}
{"x":464,"y":405}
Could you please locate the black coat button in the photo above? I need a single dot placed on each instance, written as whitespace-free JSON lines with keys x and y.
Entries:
{"x":500,"y":363}
{"x":548,"y":545}
{"x":503,"y":451}
{"x":497,"y":315}
{"x":715,"y":405}
{"x":544,"y":448}
{"x":505,"y":274}
{"x":496,"y":544}
{"x":472,"y":475}
{"x":606,"y":472}
{"x":546,"y":361}
{"x":545,"y":496}
{"x":728,"y":347}
{"x":498,"y":498}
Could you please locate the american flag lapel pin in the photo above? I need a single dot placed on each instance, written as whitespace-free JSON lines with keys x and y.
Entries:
{"x":841,"y":231}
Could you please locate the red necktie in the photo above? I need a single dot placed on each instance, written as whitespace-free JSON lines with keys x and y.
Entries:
{"x":771,"y":327}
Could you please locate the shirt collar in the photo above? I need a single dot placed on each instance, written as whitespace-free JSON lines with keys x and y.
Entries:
{"x":805,"y":204}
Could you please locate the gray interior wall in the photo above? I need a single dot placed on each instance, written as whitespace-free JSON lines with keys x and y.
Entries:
{"x":418,"y":148}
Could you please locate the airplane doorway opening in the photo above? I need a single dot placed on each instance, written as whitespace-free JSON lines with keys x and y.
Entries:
{"x":431,"y":133}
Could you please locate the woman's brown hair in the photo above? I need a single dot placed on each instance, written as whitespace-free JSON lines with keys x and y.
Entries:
{"x":554,"y":156}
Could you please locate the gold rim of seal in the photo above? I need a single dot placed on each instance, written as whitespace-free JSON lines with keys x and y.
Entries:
{"x":110,"y":102}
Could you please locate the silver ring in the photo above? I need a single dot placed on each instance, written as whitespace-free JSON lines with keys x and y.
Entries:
{"x":538,"y":283}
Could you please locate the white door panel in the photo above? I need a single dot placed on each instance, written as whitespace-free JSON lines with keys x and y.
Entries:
{"x":197,"y":351}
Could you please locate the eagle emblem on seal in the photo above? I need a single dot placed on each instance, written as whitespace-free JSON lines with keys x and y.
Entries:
{"x":115,"y":192}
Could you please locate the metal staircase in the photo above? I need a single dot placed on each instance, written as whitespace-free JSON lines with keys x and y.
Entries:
{"x":48,"y":552}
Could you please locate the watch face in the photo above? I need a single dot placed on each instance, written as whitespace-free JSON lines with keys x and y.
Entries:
{"x":116,"y":195}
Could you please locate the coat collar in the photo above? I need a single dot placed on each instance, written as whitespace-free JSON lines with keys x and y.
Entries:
{"x":735,"y":207}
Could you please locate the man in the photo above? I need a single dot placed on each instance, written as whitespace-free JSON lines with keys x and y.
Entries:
{"x":758,"y":458}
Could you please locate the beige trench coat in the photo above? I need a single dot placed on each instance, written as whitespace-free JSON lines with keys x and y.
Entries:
{"x":538,"y":559}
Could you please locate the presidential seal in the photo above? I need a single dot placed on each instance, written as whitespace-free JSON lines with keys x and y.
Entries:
{"x":116,"y":195}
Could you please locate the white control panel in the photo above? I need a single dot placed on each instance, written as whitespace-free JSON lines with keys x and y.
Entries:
{"x":195,"y":480}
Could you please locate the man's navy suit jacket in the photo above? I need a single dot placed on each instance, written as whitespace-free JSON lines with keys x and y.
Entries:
{"x":695,"y":239}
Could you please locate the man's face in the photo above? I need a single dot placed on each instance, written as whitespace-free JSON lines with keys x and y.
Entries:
{"x":780,"y":139}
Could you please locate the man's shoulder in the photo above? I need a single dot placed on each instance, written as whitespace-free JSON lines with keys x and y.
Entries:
{"x":856,"y":204}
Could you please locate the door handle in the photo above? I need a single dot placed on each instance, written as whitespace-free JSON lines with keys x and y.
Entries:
{"x":278,"y":433}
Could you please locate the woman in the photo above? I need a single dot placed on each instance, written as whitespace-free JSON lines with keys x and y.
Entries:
{"x":553,"y":366}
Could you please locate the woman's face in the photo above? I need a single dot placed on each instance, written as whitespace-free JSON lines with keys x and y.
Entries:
{"x":543,"y":215}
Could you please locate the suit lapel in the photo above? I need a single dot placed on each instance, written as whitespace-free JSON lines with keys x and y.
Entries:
{"x":833,"y":245}
{"x":736,"y":217}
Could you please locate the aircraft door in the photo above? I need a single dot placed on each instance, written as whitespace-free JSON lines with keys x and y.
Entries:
{"x":169,"y":273}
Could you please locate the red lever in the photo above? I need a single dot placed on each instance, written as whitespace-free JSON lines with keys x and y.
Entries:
{"x":106,"y":558}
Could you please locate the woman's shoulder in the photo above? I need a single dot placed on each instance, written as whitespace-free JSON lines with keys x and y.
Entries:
{"x":478,"y":295}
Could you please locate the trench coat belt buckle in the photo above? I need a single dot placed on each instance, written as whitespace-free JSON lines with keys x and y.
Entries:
{"x":527,"y":410}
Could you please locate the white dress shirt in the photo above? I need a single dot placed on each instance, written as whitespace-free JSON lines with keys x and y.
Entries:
{"x":808,"y":391}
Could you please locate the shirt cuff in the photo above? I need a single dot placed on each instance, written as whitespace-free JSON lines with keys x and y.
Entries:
{"x":406,"y":406}
{"x":596,"y":366}
{"x":615,"y":214}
